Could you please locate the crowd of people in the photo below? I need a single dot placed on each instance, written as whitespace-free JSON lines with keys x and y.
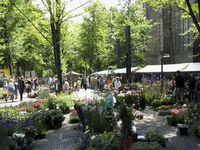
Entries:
{"x":19,"y":86}
{"x":177,"y":86}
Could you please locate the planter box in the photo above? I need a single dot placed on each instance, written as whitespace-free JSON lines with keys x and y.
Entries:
{"x":183,"y":128}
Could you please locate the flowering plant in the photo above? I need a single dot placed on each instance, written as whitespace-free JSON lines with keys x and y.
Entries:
{"x":73,"y":115}
{"x":30,"y":132}
{"x":138,"y":113}
{"x":88,"y":101}
{"x":126,"y":144}
{"x":37,"y":103}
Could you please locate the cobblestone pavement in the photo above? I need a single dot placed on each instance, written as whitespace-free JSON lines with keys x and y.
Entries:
{"x":151,"y":121}
{"x":59,"y":139}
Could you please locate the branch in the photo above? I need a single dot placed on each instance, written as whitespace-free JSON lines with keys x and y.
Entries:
{"x":76,"y":8}
{"x":73,"y":17}
{"x":30,"y":22}
{"x":192,"y":15}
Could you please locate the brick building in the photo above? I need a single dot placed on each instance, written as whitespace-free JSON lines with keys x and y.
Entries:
{"x":161,"y":38}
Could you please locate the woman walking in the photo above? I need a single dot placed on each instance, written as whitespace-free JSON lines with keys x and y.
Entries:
{"x":11,"y":89}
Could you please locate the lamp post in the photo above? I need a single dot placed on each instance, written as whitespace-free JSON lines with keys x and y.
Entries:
{"x":162,"y":57}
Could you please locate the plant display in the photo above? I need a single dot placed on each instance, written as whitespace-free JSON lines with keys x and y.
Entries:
{"x":178,"y":116}
{"x":193,"y":117}
{"x":52,"y":103}
{"x":57,"y":115}
{"x":109,"y":140}
{"x":145,"y":146}
{"x":85,"y":139}
{"x":164,"y":112}
{"x":64,"y":101}
{"x":88,"y":101}
{"x":97,"y":121}
{"x":37,"y":104}
{"x":154,"y":136}
{"x":167,"y":100}
{"x":156,"y":103}
{"x":74,"y":116}
{"x":30,"y":132}
{"x":164,"y":107}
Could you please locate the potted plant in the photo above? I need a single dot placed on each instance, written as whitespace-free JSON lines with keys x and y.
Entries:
{"x":155,"y":103}
{"x":183,"y":128}
{"x":30,"y":133}
{"x":139,"y":114}
{"x":64,"y":103}
{"x":58,"y":118}
{"x":74,"y":117}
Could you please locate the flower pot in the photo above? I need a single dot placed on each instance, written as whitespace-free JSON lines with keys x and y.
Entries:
{"x":74,"y":121}
{"x":58,"y":124}
{"x":183,"y":128}
{"x":66,"y":111}
{"x":42,"y":136}
{"x":47,"y":127}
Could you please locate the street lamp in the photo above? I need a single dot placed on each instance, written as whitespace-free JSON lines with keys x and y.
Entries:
{"x":162,"y":57}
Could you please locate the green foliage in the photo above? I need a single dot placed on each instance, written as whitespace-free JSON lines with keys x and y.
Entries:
{"x":164,"y":107}
{"x":109,"y":141}
{"x":154,"y":136}
{"x":97,"y":121}
{"x":156,"y":103}
{"x":127,"y":117}
{"x":143,"y":146}
{"x":165,"y":100}
{"x":175,"y":119}
{"x":52,"y":102}
{"x":64,"y":101}
{"x":164,"y":112}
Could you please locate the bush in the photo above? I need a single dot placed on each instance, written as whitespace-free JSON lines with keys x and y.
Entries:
{"x":52,"y":102}
{"x":145,"y":146}
{"x":164,"y":107}
{"x":154,"y":136}
{"x":155,"y":103}
{"x":97,"y":121}
{"x":164,"y":112}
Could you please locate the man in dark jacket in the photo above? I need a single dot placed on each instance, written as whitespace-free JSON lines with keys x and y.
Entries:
{"x":21,"y":86}
{"x":192,"y":83}
{"x":180,"y":86}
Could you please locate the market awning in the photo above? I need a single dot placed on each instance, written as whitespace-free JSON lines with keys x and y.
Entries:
{"x":166,"y":68}
{"x":192,"y":67}
{"x":72,"y":73}
{"x":105,"y":72}
{"x":123,"y":70}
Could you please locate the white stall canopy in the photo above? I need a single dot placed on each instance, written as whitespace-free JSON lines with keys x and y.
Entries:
{"x":192,"y":67}
{"x":166,"y":68}
{"x":123,"y":70}
{"x":105,"y":72}
{"x":72,"y":73}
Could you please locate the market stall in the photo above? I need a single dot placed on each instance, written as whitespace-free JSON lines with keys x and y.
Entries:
{"x":123,"y":70}
{"x":166,"y":68}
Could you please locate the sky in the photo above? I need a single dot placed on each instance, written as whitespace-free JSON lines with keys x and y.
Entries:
{"x":76,"y":3}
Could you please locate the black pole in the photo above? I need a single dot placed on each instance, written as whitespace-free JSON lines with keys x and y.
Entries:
{"x":118,"y":54}
{"x":128,"y":55}
{"x":161,"y":73}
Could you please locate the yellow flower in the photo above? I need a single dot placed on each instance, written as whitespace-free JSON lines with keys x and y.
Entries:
{"x":3,"y":110}
{"x":87,"y":131}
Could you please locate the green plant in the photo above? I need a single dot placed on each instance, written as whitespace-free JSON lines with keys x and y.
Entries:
{"x":12,"y":144}
{"x":52,"y":102}
{"x":154,"y":136}
{"x":164,"y":107}
{"x":97,"y":121}
{"x":144,"y":146}
{"x":64,"y":101}
{"x":164,"y":112}
{"x":127,"y":117}
{"x":155,"y":103}
{"x":109,"y":141}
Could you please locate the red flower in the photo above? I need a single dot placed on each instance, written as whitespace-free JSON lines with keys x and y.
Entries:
{"x":97,"y":102}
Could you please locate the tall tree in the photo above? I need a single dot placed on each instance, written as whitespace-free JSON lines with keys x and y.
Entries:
{"x":94,"y":36}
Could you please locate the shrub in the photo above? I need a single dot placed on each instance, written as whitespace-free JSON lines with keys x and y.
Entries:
{"x":164,"y":107}
{"x":155,"y":103}
{"x":154,"y":136}
{"x":164,"y":112}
